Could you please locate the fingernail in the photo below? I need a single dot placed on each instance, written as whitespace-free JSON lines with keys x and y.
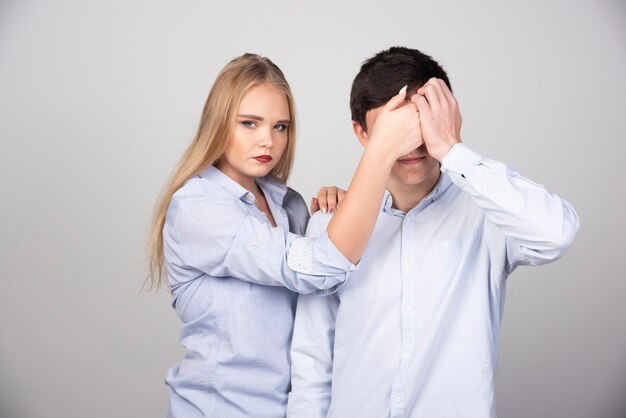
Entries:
{"x":324,"y":210}
{"x":403,"y":90}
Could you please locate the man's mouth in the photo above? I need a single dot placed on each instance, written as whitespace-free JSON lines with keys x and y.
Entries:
{"x":411,"y":160}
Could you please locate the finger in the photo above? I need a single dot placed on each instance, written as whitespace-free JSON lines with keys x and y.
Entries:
{"x":430,"y":90}
{"x":432,"y":82}
{"x":422,"y":90}
{"x":414,"y":99}
{"x":423,"y":105}
{"x":445,"y":89}
{"x":341,"y":194}
{"x":315,"y":206}
{"x":446,"y":95}
{"x":331,"y":199}
{"x":397,"y":100}
{"x":452,"y":105}
{"x":321,"y":199}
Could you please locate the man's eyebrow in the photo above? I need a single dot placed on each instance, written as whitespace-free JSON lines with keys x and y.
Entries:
{"x":260,"y":119}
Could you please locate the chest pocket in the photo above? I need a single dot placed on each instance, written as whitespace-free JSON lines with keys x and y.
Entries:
{"x":445,"y":259}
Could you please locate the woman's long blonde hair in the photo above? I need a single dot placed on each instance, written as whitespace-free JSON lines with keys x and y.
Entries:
{"x":214,"y":132}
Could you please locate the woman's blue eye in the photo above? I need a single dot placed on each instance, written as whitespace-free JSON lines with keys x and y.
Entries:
{"x":248,"y":123}
{"x":280,"y":127}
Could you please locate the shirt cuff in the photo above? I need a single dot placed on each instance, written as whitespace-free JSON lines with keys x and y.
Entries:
{"x":459,"y":159}
{"x":319,"y":257}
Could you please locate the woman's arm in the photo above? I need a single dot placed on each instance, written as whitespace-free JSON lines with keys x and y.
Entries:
{"x":395,"y":133}
{"x":212,"y":234}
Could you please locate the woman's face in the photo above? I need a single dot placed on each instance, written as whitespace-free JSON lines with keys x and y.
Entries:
{"x":260,"y":136}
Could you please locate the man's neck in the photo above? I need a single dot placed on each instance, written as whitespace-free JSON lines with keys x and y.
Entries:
{"x":406,"y":197}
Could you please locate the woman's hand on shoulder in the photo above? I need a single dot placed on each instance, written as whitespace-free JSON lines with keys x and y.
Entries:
{"x":328,"y":199}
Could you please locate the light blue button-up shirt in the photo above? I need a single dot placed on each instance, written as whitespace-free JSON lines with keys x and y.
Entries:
{"x":415,"y":331}
{"x":233,"y":288}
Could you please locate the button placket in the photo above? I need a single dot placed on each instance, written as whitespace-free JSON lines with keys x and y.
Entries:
{"x":407,"y":315}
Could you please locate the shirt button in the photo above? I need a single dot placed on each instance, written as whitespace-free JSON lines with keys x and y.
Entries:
{"x":249,"y":196}
{"x":397,"y":399}
{"x":254,"y":246}
{"x":408,"y":308}
{"x":405,"y":355}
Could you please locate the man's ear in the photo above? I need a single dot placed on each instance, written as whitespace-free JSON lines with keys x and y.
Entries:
{"x":360,"y":133}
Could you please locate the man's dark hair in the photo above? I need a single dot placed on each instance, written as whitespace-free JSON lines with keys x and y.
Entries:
{"x":383,"y":75}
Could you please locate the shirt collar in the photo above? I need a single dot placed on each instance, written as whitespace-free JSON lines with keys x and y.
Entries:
{"x":272,"y":187}
{"x":275,"y":187}
{"x":441,"y":186}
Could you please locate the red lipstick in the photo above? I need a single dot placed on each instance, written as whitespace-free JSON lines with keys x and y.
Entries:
{"x":263,"y":159}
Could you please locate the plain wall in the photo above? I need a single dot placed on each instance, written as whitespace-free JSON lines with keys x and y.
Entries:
{"x":99,"y":99}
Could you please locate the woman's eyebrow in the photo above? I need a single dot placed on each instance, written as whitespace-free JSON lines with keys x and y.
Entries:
{"x":255,"y":117}
{"x":260,"y":119}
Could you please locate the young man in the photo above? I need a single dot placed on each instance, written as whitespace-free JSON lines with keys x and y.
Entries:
{"x":415,"y":331}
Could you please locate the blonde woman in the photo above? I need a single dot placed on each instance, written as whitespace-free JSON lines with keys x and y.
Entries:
{"x":229,"y":233}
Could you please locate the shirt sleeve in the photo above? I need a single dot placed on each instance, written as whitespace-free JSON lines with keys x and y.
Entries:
{"x":318,"y":229}
{"x":312,"y":351}
{"x":216,"y":236}
{"x":538,"y":225}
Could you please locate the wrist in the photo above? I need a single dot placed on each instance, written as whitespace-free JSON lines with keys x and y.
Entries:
{"x":443,"y":151}
{"x":379,"y":154}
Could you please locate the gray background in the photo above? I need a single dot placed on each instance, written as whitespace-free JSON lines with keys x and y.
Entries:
{"x":99,"y":99}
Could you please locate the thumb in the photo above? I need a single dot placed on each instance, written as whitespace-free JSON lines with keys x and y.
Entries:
{"x":396,"y":100}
